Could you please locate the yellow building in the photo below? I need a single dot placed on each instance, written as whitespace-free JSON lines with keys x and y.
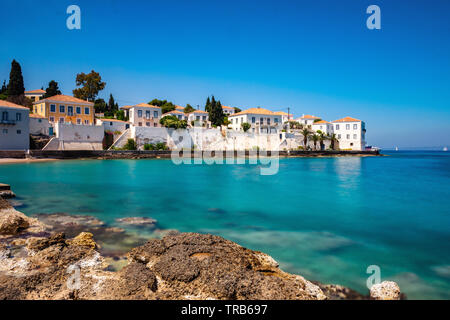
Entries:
{"x":65,"y":109}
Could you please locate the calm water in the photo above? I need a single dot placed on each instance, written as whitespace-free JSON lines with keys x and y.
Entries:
{"x":326,"y":218}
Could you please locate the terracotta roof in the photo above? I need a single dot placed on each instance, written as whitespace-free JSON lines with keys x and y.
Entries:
{"x":36,"y":91}
{"x":7,"y":104}
{"x":173,"y":111}
{"x":226,"y":107}
{"x":64,"y":98}
{"x":347,"y":119}
{"x":198,"y":111}
{"x":321,"y":122}
{"x":307,"y":116}
{"x":179,"y":107}
{"x":255,"y":111}
{"x":126,"y":107}
{"x":282,"y":113}
{"x":146,"y":105}
{"x":34,"y":115}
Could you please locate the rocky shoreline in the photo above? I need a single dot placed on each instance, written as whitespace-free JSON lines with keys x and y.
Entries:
{"x":58,"y":256}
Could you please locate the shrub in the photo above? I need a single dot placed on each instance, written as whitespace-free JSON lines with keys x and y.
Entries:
{"x":149,"y":146}
{"x":161,"y":146}
{"x":246,"y":126}
{"x":130,"y":145}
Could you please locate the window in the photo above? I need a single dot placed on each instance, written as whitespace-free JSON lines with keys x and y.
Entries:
{"x":337,"y":127}
{"x":355,"y":126}
{"x":140,"y":124}
{"x":348,"y":137}
{"x":355,"y":137}
{"x":198,"y":118}
{"x":147,"y":114}
{"x":69,"y":110}
{"x":155,"y":124}
{"x":204,"y":118}
{"x":155,"y":114}
{"x":5,"y":131}
{"x":261,"y":120}
{"x":253,"y":119}
{"x":62,"y":109}
{"x":86,"y":110}
{"x":52,"y":108}
{"x":61,"y":120}
{"x":147,"y":124}
{"x":140,"y":113}
{"x":18,"y":116}
{"x":52,"y":119}
{"x":41,"y":108}
{"x":78,"y":121}
{"x":347,"y":127}
{"x":86,"y":122}
{"x":276,"y":120}
{"x":268,"y":121}
{"x":5,"y":116}
{"x":339,"y":136}
{"x":19,"y":131}
{"x":110,"y":123}
{"x":78,"y":110}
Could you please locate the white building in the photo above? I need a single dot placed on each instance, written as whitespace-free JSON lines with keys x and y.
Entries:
{"x":179,"y":108}
{"x":307,"y":119}
{"x":260,"y":120}
{"x":143,"y":115}
{"x":179,"y":114}
{"x":40,"y":125}
{"x":285,"y":117}
{"x":14,"y":126}
{"x":198,"y":116}
{"x":35,"y":95}
{"x":113,"y":125}
{"x":324,"y":126}
{"x":351,"y":133}
{"x":228,"y":110}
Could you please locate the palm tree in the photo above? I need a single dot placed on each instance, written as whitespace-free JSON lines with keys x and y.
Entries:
{"x":333,"y":140}
{"x":306,"y":133}
{"x":322,"y":138}
{"x":315,"y":138}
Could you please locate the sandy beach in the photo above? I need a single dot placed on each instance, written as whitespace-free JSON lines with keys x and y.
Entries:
{"x":14,"y":160}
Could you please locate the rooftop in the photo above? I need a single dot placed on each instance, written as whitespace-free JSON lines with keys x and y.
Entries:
{"x":321,"y":122}
{"x":255,"y":111}
{"x":307,"y":116}
{"x":347,"y":119}
{"x":38,"y":91}
{"x":226,"y":107}
{"x":7,"y":104}
{"x":64,"y":98}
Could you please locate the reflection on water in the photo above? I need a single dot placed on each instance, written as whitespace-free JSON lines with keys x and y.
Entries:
{"x":325,"y":218}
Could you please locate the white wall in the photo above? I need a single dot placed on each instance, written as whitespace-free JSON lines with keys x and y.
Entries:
{"x":14,"y":134}
{"x":79,"y":137}
{"x":350,"y":135}
{"x":39,"y":126}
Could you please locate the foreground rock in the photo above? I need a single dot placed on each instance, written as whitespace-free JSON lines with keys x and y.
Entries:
{"x":387,"y":290}
{"x":13,"y":222}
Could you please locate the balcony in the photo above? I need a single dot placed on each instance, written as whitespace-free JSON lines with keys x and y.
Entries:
{"x":8,"y":122}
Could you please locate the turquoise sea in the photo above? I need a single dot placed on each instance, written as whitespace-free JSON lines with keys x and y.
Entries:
{"x":327,"y":219}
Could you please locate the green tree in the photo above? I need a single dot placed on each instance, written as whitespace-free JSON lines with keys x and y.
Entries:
{"x":166,"y":106}
{"x":333,"y":141}
{"x":315,"y":138}
{"x":52,"y":89}
{"x":130,"y":145}
{"x":322,"y":138}
{"x":15,"y":85}
{"x":91,"y":84}
{"x":216,"y":115}
{"x":189,"y":108}
{"x":245,"y":126}
{"x":120,"y":115}
{"x":306,"y":133}
{"x":100,"y":106}
{"x":4,"y":88}
{"x":236,"y":110}
{"x":173,"y":122}
{"x":208,"y":104}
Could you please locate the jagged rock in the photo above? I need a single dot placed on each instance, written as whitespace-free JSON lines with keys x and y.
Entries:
{"x":387,"y":290}
{"x":337,"y":292}
{"x":13,"y":222}
{"x":83,"y":239}
{"x":137,"y":221}
{"x":42,"y":243}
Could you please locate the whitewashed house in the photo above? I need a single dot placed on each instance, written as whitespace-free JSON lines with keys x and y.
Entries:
{"x":260,"y":120}
{"x":179,"y":114}
{"x":324,"y":126}
{"x":199,"y":117}
{"x":351,"y":133}
{"x":143,"y":115}
{"x":39,"y":125}
{"x":228,"y":110}
{"x":285,"y":117}
{"x":14,"y":126}
{"x":113,"y":125}
{"x":307,"y":119}
{"x":35,"y":95}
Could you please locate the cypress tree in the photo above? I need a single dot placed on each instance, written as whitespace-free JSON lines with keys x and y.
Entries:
{"x":16,"y":86}
{"x":111,"y":103}
{"x":4,"y":88}
{"x":208,"y":105}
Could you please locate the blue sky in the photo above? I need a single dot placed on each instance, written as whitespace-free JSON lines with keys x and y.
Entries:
{"x":316,"y":57}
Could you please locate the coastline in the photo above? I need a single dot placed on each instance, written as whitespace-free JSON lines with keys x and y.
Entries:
{"x":187,"y":266}
{"x":27,"y":160}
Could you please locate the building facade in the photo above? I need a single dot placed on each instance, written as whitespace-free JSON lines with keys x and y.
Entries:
{"x":351,"y":133}
{"x":40,"y":125}
{"x":35,"y":95}
{"x":228,"y":110}
{"x":143,"y":115}
{"x":323,"y":126}
{"x":14,"y":126}
{"x":113,"y":125}
{"x":198,"y":117}
{"x":285,"y":117}
{"x":260,"y":120}
{"x":179,"y":114}
{"x":307,"y":119}
{"x":65,"y":109}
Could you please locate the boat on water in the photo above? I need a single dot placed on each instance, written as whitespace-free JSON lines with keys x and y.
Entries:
{"x":445,"y":149}
{"x":396,"y":148}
